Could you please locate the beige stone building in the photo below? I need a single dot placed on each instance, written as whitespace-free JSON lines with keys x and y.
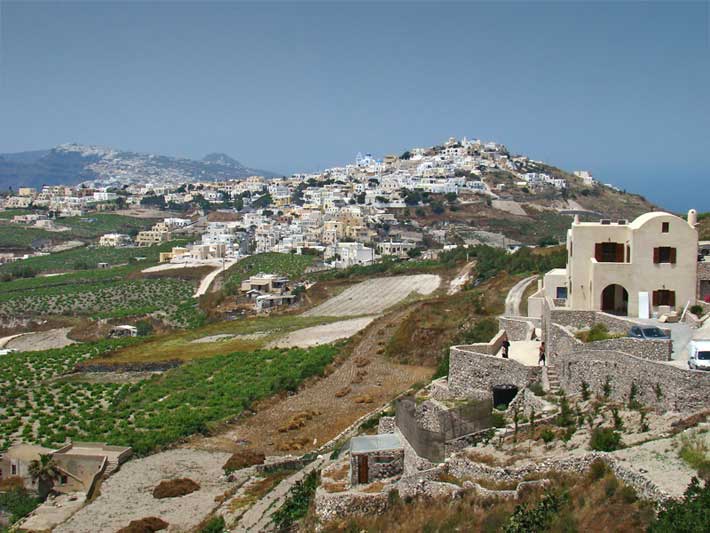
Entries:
{"x":641,"y":268}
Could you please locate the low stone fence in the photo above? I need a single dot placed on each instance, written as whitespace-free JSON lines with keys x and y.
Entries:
{"x":517,"y":329}
{"x":661,"y":386}
{"x":462,"y":467}
{"x":472,"y":369}
{"x":154,"y":366}
{"x":334,"y":505}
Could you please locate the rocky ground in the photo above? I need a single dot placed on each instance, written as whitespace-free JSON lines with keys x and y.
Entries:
{"x":127,"y":495}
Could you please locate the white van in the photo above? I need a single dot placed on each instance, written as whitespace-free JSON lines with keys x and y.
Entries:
{"x":699,"y":355}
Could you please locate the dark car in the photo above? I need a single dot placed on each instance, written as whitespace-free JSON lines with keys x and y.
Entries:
{"x":648,"y":333}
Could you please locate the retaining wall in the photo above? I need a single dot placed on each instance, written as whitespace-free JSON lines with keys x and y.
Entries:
{"x":517,"y":329}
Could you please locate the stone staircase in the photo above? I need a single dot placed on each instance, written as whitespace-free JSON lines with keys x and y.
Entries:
{"x":553,"y":380}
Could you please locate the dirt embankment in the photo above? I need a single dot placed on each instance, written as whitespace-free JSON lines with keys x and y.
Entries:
{"x":324,"y":407}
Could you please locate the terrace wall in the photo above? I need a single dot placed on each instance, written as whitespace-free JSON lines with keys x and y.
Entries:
{"x":661,"y":386}
{"x":517,"y":329}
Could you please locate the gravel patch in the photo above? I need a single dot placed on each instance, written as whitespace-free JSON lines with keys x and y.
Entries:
{"x":375,"y":295}
{"x":41,"y":340}
{"x":127,"y":495}
{"x":229,"y":336}
{"x":322,"y":334}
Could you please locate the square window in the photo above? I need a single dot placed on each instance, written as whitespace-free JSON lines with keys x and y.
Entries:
{"x":665,"y":227}
{"x":561,"y":293}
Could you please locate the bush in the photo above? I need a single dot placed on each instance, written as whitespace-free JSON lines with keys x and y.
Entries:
{"x":18,"y":502}
{"x":697,"y":310}
{"x":598,"y":469}
{"x":605,"y":440}
{"x":145,"y":525}
{"x":482,"y":331}
{"x":547,"y":435}
{"x":690,"y":515}
{"x":243,"y":459}
{"x":536,"y":389}
{"x":174,"y":488}
{"x":298,"y":502}
{"x":214,"y":525}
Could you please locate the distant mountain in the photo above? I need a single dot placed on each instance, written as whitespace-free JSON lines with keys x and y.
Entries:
{"x":71,"y":164}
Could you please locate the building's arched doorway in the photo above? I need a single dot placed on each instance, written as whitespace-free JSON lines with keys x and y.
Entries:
{"x":615,"y":300}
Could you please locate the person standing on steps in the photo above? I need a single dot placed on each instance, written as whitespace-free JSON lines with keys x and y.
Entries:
{"x":541,"y":358}
{"x":506,"y":348}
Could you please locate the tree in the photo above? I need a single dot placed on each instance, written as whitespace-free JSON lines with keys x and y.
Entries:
{"x":44,"y":472}
{"x":690,"y":515}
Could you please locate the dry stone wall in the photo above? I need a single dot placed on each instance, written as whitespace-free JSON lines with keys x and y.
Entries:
{"x":470,"y":371}
{"x":661,"y":386}
{"x":517,"y":329}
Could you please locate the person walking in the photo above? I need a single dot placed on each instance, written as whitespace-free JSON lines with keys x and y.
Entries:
{"x":506,"y":348}
{"x":541,"y":358}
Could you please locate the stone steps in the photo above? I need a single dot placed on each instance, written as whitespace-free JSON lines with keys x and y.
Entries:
{"x":552,"y":379}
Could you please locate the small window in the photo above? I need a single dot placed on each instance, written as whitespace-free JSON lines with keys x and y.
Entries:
{"x":13,"y":470}
{"x":664,"y":297}
{"x":665,"y":227}
{"x":664,"y":254}
{"x":63,"y":480}
{"x":561,"y":293}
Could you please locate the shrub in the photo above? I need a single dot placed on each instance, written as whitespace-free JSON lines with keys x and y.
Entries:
{"x":606,"y":388}
{"x":536,"y":389}
{"x":618,"y":422}
{"x":145,"y":525}
{"x":497,"y":420}
{"x":610,"y":486}
{"x":174,"y":488}
{"x":694,"y":452}
{"x":585,"y":390}
{"x":214,"y":525}
{"x":299,"y":499}
{"x":565,"y":418}
{"x":690,"y":515}
{"x":547,"y":435}
{"x":243,"y":459}
{"x":538,"y":518}
{"x":482,"y":331}
{"x":598,"y":469}
{"x":697,"y":310}
{"x":633,"y":394}
{"x":605,"y":440}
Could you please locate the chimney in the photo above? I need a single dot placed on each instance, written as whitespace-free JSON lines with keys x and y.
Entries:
{"x":692,"y":218}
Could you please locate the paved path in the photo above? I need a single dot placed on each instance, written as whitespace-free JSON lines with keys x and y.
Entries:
{"x":258,"y":517}
{"x":515,"y":296}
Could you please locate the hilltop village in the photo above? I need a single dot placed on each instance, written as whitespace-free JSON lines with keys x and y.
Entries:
{"x":456,"y":335}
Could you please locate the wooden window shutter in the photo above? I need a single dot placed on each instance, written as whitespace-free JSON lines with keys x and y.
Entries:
{"x":628,"y":253}
{"x":656,"y":255}
{"x":671,"y":298}
{"x":655,"y":298}
{"x":673,"y":255}
{"x":619,"y":253}
{"x":598,"y":252}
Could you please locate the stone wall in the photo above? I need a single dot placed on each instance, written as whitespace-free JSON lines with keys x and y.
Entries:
{"x":654,"y":350}
{"x":386,"y":424}
{"x":661,"y":386}
{"x":462,"y":467}
{"x":471,"y":370}
{"x":330,"y":506}
{"x":381,"y":464}
{"x":517,"y":329}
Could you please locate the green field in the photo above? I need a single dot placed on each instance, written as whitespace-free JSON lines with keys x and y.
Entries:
{"x":89,"y":227}
{"x":291,"y":265}
{"x":146,"y":415}
{"x":88,"y":257}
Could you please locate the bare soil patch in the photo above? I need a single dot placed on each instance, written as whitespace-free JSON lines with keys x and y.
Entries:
{"x":173,"y":488}
{"x":145,"y":525}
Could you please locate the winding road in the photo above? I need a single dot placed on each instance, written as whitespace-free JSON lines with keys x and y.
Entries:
{"x":515,"y":296}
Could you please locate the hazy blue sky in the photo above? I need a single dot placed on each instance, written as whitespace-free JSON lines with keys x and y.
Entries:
{"x":619,"y":88}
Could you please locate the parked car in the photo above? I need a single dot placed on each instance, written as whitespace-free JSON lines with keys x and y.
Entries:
{"x":699,"y":355}
{"x":648,"y":333}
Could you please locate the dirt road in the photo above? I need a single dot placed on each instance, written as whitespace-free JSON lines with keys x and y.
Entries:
{"x":323,"y":334}
{"x":40,"y":340}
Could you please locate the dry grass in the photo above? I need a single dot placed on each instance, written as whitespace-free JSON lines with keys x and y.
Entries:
{"x":293,"y":445}
{"x":334,"y":486}
{"x":244,"y":459}
{"x":373,"y":488}
{"x":365,"y":398}
{"x":173,"y":488}
{"x":337,"y":472}
{"x":601,"y":504}
{"x":298,"y":420}
{"x":483,"y":458}
{"x":257,"y":489}
{"x":343,"y":392}
{"x":145,"y":525}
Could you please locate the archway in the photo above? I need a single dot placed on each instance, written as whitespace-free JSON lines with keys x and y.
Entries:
{"x":615,"y":300}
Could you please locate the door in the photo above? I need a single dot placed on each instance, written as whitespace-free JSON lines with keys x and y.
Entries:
{"x":362,"y":469}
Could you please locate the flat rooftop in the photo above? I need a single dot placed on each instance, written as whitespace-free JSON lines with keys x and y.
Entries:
{"x":374,"y":443}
